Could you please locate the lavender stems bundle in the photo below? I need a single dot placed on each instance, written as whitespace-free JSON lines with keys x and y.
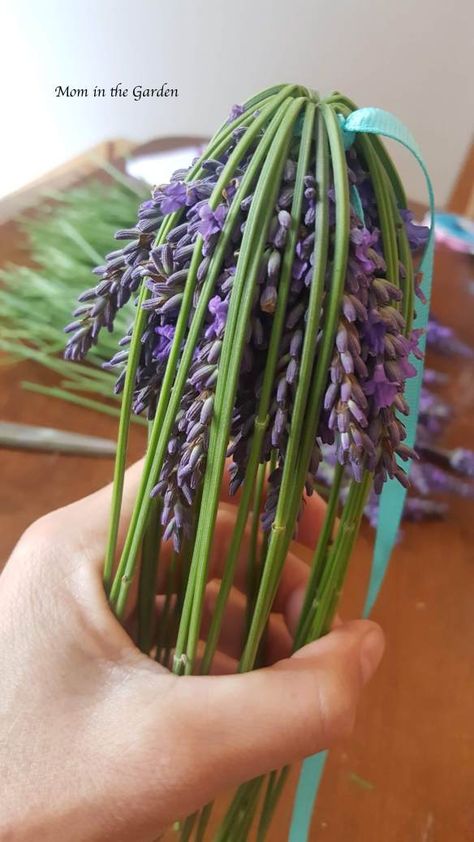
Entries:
{"x":275,"y":295}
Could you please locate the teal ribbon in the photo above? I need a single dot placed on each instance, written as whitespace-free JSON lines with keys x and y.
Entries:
{"x":376,"y":121}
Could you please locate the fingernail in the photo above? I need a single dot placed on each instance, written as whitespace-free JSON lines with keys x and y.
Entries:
{"x":371,"y":651}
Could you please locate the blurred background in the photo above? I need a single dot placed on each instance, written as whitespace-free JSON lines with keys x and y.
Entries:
{"x":412,"y":58}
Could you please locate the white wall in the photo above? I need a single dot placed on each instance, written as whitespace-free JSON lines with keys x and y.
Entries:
{"x":413,"y":57}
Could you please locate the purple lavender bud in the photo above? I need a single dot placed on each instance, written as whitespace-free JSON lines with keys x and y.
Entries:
{"x":385,"y":291}
{"x":362,"y":439}
{"x":401,"y":476}
{"x":286,"y":197}
{"x":268,"y":299}
{"x":173,"y":303}
{"x":345,"y":440}
{"x":348,"y":308}
{"x":406,"y":453}
{"x":330,"y":396}
{"x":292,"y":372}
{"x":201,"y":374}
{"x":214,"y":351}
{"x":392,"y":318}
{"x":347,"y":362}
{"x":72,"y":326}
{"x":127,"y":234}
{"x":173,"y":446}
{"x":295,"y":315}
{"x":357,"y":413}
{"x":203,"y":267}
{"x":273,"y":266}
{"x":296,"y":343}
{"x":282,"y":390}
{"x":400,"y":403}
{"x":341,"y":338}
{"x":284,"y":219}
{"x":342,"y":420}
{"x":206,"y":411}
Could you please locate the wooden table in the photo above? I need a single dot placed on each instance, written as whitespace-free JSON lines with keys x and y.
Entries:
{"x":413,"y":745}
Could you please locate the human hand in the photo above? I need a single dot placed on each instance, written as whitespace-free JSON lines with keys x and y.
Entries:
{"x":98,"y":741}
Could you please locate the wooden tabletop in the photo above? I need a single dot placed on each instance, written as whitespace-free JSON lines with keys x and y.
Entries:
{"x":407,"y":773}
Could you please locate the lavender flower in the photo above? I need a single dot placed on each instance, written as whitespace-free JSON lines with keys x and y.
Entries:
{"x":417,"y":234}
{"x":364,"y":393}
{"x":235,"y":112}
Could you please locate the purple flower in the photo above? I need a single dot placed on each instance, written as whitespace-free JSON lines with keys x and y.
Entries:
{"x":175,"y":196}
{"x":381,"y":388}
{"x":235,"y":112}
{"x":211,"y":221}
{"x":373,"y":332}
{"x":218,"y":309}
{"x":363,"y":241}
{"x":163,"y":346}
{"x":417,"y":234}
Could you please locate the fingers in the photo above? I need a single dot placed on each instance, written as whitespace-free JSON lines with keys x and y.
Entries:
{"x":311,"y":518}
{"x":295,"y":573}
{"x":85,"y":523}
{"x":277,"y":644}
{"x":311,"y":521}
{"x":252,"y":723}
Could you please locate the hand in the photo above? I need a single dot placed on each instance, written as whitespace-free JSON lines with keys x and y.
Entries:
{"x":97,"y":741}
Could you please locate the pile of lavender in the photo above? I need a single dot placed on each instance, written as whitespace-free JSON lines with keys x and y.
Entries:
{"x":275,"y":289}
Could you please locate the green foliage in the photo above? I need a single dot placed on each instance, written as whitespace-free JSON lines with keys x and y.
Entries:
{"x":71,"y":233}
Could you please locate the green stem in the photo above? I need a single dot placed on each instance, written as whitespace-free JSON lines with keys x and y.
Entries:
{"x":78,"y":400}
{"x":203,"y":822}
{"x":321,"y":613}
{"x":276,"y":782}
{"x":290,"y":491}
{"x":239,"y":803}
{"x":338,"y":559}
{"x":261,"y":421}
{"x":244,"y":821}
{"x":164,"y":635}
{"x":319,"y":556}
{"x":252,"y":572}
{"x":187,"y":827}
{"x":242,"y":297}
{"x":384,"y":210}
{"x":147,"y":581}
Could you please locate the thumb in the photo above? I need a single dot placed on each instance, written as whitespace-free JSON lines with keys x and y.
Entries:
{"x":246,"y":725}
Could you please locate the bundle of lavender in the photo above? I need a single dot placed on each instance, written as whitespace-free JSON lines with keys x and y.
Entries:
{"x":275,"y":293}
